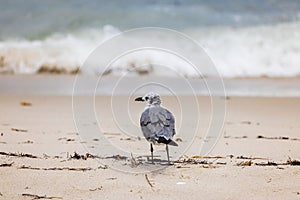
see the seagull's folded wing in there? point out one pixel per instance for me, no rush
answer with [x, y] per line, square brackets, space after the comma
[157, 122]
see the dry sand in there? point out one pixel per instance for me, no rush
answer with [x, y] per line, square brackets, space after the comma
[38, 139]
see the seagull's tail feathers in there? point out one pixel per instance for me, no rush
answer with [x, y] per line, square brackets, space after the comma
[166, 141]
[173, 143]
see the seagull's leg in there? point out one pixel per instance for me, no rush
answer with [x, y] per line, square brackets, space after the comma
[167, 149]
[151, 149]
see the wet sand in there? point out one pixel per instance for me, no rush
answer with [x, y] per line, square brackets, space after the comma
[255, 157]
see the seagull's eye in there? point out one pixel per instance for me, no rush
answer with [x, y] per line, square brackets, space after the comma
[146, 98]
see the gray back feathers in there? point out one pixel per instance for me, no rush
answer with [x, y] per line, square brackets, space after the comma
[157, 122]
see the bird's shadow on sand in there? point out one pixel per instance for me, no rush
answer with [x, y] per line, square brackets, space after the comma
[157, 161]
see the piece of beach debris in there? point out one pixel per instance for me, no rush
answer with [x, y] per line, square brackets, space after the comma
[19, 130]
[67, 139]
[34, 196]
[288, 162]
[250, 158]
[148, 181]
[57, 157]
[179, 167]
[53, 69]
[293, 162]
[275, 138]
[178, 140]
[279, 167]
[103, 167]
[126, 138]
[236, 137]
[57, 168]
[26, 142]
[245, 163]
[18, 155]
[113, 178]
[208, 157]
[98, 188]
[246, 122]
[1, 194]
[2, 134]
[24, 103]
[267, 164]
[6, 164]
[133, 162]
[191, 161]
[77, 156]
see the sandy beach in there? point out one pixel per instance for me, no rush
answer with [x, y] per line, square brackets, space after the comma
[256, 157]
[229, 71]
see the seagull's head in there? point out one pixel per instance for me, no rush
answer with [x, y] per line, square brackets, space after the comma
[151, 98]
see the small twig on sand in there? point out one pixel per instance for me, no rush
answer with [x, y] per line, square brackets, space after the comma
[34, 196]
[267, 164]
[19, 130]
[276, 138]
[6, 164]
[99, 188]
[18, 155]
[208, 157]
[250, 158]
[148, 181]
[133, 162]
[245, 163]
[58, 168]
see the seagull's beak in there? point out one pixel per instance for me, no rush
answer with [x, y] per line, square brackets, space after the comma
[139, 99]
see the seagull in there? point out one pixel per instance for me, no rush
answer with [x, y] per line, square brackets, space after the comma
[157, 123]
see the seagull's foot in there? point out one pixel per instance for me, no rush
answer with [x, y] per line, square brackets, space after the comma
[170, 163]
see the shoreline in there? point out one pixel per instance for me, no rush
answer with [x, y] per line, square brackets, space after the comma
[62, 85]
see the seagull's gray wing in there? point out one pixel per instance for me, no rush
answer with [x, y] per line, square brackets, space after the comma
[157, 122]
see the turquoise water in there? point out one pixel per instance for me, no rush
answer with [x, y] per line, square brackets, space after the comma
[36, 19]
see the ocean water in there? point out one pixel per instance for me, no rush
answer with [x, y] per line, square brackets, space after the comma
[243, 38]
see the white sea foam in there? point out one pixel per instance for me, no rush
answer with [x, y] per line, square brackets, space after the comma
[272, 50]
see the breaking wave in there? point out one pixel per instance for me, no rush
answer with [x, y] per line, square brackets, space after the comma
[255, 51]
